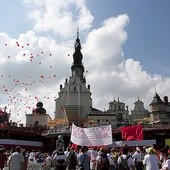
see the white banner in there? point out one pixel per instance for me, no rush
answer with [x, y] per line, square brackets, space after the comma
[95, 136]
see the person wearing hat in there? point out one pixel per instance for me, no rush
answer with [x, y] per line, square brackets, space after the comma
[151, 161]
[166, 160]
[15, 159]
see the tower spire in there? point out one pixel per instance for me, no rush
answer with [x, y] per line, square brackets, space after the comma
[77, 56]
[77, 67]
[155, 88]
[77, 32]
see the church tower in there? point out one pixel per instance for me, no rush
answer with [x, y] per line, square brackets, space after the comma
[158, 110]
[74, 101]
[77, 67]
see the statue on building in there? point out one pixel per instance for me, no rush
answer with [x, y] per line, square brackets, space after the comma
[39, 109]
[60, 143]
[77, 45]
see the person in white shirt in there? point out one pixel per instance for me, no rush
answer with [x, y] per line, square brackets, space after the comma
[67, 151]
[15, 159]
[166, 160]
[92, 152]
[49, 158]
[31, 164]
[32, 154]
[151, 161]
[111, 160]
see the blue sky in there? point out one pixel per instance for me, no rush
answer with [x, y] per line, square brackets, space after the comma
[125, 42]
[148, 30]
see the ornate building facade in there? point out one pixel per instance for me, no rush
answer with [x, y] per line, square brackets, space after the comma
[160, 110]
[139, 111]
[117, 115]
[74, 101]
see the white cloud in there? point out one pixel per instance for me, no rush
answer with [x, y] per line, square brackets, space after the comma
[103, 45]
[60, 16]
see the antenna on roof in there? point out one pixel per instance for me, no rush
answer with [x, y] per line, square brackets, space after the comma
[77, 32]
[155, 88]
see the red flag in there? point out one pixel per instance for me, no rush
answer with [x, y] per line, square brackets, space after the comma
[132, 132]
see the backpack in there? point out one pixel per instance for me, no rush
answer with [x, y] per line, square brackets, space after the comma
[104, 163]
[124, 163]
[71, 159]
[60, 160]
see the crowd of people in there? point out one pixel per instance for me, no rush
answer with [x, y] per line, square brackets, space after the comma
[87, 158]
